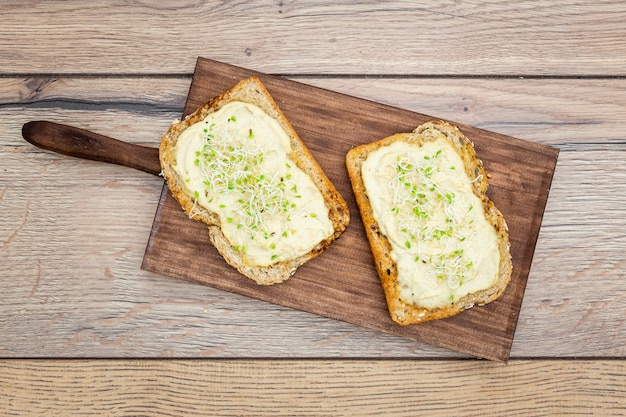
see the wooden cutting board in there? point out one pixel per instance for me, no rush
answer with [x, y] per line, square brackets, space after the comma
[342, 283]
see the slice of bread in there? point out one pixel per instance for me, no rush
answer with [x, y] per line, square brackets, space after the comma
[252, 91]
[435, 273]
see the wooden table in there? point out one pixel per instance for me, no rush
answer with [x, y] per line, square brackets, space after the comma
[85, 330]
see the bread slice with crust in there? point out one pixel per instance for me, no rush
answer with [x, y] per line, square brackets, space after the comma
[424, 244]
[253, 92]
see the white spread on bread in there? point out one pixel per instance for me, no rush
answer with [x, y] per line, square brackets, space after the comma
[236, 163]
[423, 201]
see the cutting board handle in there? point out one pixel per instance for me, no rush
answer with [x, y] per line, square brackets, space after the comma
[80, 143]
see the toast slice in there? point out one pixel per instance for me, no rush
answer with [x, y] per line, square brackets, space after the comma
[439, 244]
[237, 165]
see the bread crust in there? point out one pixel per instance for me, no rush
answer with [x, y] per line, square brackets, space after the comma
[400, 311]
[252, 91]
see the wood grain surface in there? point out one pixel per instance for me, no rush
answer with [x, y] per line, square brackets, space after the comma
[73, 232]
[342, 283]
[487, 38]
[313, 388]
[81, 281]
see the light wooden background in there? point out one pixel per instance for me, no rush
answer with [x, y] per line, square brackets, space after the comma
[73, 232]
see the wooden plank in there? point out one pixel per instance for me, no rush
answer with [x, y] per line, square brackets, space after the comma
[563, 113]
[81, 279]
[538, 37]
[313, 387]
[342, 283]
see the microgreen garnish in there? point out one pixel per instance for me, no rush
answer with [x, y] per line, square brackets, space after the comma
[428, 211]
[254, 195]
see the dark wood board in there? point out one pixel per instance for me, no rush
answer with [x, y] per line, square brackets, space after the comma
[342, 283]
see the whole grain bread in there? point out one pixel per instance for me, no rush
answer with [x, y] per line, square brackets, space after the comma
[402, 312]
[251, 90]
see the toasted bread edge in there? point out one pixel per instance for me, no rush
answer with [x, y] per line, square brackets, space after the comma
[400, 311]
[251, 90]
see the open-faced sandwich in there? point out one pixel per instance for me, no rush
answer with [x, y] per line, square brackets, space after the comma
[439, 244]
[237, 165]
